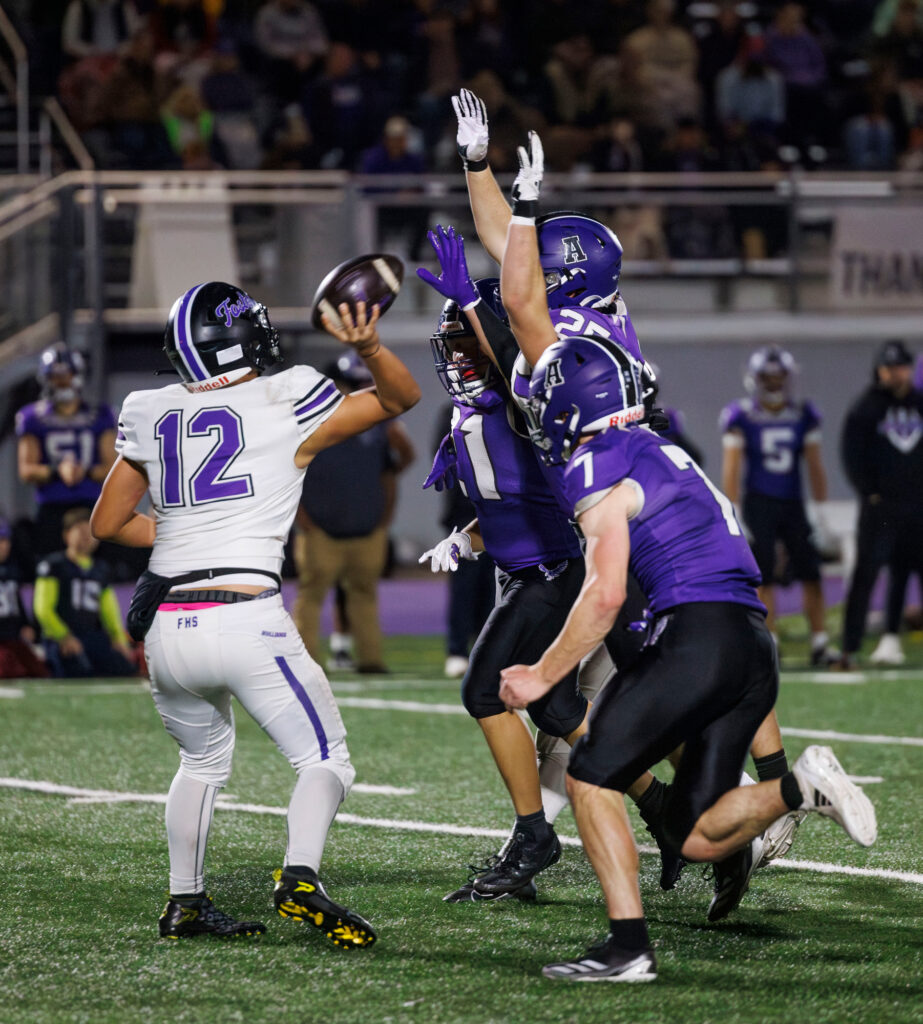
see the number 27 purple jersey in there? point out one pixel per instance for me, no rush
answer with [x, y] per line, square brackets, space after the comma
[686, 543]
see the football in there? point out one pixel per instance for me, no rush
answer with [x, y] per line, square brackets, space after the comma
[375, 279]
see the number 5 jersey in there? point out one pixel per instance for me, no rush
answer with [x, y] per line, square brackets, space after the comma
[223, 464]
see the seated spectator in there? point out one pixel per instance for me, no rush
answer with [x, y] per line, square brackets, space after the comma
[77, 608]
[230, 95]
[290, 144]
[394, 155]
[291, 39]
[719, 45]
[17, 659]
[98, 28]
[190, 128]
[869, 138]
[793, 50]
[751, 93]
[342, 108]
[668, 58]
[130, 133]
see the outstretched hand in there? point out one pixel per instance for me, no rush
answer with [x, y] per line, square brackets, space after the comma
[454, 282]
[472, 137]
[528, 182]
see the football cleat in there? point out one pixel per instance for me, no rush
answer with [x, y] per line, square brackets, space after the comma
[519, 862]
[825, 656]
[826, 789]
[302, 897]
[465, 894]
[779, 836]
[183, 919]
[888, 651]
[732, 879]
[606, 962]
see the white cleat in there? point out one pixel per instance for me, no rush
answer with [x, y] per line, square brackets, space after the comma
[888, 651]
[779, 836]
[827, 790]
[455, 666]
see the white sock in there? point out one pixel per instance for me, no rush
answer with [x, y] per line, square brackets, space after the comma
[340, 643]
[553, 803]
[190, 807]
[819, 640]
[315, 801]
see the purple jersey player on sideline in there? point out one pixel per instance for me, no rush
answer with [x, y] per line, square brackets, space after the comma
[709, 676]
[771, 434]
[539, 575]
[66, 446]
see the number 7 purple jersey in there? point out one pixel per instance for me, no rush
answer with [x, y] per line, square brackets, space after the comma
[686, 543]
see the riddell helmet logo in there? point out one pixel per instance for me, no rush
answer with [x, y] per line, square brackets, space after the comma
[208, 385]
[573, 250]
[626, 416]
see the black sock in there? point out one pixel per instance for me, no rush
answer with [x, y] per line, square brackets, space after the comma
[535, 825]
[187, 897]
[629, 933]
[650, 802]
[772, 766]
[791, 791]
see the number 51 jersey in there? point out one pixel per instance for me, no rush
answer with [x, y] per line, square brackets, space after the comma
[221, 466]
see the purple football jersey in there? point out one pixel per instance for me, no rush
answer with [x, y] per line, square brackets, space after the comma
[579, 321]
[686, 543]
[521, 522]
[773, 443]
[57, 435]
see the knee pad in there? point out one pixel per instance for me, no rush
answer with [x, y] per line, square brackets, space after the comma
[213, 765]
[337, 763]
[548, 718]
[478, 702]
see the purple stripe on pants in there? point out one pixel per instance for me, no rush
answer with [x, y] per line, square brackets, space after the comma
[305, 702]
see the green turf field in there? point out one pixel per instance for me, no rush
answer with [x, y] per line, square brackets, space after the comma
[84, 875]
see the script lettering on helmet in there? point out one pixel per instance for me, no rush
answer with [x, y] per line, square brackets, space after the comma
[573, 250]
[231, 309]
[553, 375]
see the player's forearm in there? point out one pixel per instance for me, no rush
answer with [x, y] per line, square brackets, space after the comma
[396, 388]
[522, 286]
[589, 621]
[490, 210]
[817, 477]
[139, 532]
[36, 472]
[44, 608]
[111, 617]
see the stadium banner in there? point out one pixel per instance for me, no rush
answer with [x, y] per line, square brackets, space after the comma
[878, 257]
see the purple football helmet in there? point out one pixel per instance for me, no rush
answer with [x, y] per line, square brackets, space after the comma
[61, 373]
[463, 370]
[770, 376]
[581, 259]
[581, 386]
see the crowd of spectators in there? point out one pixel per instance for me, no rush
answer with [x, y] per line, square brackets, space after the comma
[612, 85]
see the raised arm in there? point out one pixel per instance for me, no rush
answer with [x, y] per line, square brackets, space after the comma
[490, 209]
[522, 283]
[395, 390]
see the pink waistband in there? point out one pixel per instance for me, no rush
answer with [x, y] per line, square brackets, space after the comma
[188, 606]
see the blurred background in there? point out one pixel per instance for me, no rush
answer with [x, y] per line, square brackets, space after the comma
[759, 161]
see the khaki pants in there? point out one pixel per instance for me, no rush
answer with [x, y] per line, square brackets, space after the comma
[357, 564]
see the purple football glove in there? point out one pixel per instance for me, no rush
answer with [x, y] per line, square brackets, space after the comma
[454, 282]
[444, 473]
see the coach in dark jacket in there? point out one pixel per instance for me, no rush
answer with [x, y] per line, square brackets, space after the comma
[882, 452]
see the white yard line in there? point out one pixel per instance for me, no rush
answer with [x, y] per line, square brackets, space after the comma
[107, 796]
[852, 737]
[11, 692]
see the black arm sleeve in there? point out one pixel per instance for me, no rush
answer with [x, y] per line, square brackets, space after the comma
[500, 338]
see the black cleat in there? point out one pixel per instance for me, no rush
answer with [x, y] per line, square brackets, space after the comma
[732, 879]
[671, 864]
[465, 894]
[302, 897]
[519, 862]
[606, 962]
[182, 920]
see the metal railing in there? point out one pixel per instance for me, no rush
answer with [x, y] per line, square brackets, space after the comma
[20, 88]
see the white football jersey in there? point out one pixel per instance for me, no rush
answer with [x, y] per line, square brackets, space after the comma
[221, 466]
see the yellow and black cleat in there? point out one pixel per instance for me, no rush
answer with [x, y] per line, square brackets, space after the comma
[300, 896]
[182, 919]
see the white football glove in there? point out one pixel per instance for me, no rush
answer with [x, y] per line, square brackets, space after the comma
[528, 182]
[823, 535]
[446, 554]
[472, 137]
